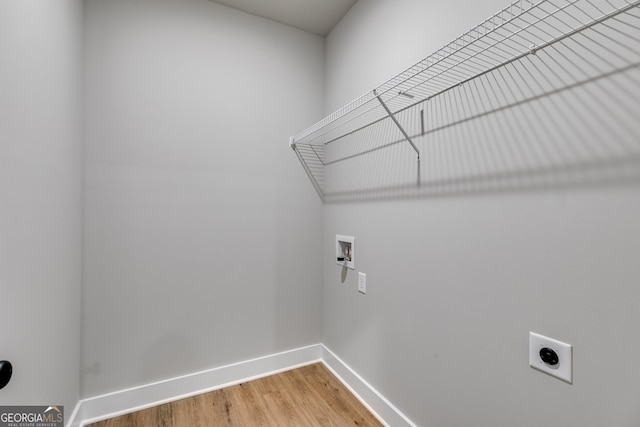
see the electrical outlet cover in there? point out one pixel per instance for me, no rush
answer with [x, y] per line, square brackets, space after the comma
[362, 283]
[563, 369]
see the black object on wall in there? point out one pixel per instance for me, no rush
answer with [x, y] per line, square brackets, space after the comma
[5, 373]
[549, 356]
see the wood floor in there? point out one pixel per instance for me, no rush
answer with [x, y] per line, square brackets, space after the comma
[309, 396]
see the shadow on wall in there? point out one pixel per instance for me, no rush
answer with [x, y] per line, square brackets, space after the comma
[566, 116]
[586, 134]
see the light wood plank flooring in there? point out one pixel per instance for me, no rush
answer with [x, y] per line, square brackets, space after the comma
[308, 396]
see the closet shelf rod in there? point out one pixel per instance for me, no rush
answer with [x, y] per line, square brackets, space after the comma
[518, 4]
[531, 51]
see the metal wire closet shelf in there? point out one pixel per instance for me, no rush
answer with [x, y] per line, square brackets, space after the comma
[573, 42]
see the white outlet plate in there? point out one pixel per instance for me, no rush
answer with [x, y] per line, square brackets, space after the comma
[564, 369]
[362, 283]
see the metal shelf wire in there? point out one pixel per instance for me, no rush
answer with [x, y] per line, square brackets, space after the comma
[525, 52]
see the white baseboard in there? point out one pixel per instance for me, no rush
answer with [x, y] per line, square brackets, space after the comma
[137, 398]
[373, 400]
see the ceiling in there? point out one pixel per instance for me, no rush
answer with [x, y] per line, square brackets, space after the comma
[315, 16]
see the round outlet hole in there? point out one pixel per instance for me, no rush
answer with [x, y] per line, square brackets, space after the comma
[549, 356]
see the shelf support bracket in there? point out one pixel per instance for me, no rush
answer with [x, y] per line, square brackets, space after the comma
[406, 135]
[314, 181]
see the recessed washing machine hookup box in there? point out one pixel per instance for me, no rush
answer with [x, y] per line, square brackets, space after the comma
[345, 251]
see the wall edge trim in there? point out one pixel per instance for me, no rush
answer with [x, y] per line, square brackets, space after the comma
[386, 412]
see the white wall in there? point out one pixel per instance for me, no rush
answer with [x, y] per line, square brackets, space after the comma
[40, 200]
[202, 238]
[456, 280]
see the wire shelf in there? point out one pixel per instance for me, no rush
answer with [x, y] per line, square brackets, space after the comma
[525, 52]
